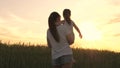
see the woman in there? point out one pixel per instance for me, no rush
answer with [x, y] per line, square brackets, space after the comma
[69, 23]
[59, 40]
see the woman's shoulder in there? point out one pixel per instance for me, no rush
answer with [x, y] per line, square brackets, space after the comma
[60, 27]
[48, 31]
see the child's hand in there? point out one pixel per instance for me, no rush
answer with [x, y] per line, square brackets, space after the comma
[62, 22]
[80, 35]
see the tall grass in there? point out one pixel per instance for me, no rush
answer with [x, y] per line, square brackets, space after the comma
[23, 56]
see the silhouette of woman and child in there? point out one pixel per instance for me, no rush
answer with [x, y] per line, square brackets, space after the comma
[59, 38]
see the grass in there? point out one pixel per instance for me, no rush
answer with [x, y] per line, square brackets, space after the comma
[24, 56]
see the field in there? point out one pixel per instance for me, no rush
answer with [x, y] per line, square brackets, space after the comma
[25, 56]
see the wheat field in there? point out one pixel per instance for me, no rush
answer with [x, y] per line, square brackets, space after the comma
[25, 56]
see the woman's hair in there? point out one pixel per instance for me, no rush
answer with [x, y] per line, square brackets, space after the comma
[52, 25]
[66, 15]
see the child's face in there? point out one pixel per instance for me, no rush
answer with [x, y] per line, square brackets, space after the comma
[67, 15]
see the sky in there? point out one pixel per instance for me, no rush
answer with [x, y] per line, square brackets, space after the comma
[27, 21]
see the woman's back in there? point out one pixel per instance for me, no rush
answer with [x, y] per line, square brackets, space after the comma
[62, 47]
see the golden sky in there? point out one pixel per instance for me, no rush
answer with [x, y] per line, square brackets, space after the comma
[27, 21]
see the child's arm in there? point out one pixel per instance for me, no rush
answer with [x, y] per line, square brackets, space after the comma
[75, 26]
[63, 21]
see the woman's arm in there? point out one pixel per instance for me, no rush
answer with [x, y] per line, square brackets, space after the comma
[49, 44]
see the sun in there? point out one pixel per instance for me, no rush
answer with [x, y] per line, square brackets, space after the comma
[90, 31]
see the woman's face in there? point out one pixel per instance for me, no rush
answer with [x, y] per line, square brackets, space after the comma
[58, 21]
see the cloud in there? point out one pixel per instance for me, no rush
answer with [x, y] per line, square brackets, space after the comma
[25, 25]
[4, 32]
[115, 20]
[1, 20]
[13, 26]
[114, 2]
[117, 34]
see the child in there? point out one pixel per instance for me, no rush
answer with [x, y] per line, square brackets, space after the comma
[68, 22]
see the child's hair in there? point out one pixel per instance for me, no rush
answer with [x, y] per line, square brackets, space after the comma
[66, 15]
[52, 25]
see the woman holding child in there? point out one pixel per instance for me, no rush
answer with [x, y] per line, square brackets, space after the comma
[59, 39]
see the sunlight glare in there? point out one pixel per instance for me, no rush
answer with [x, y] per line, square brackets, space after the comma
[90, 31]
